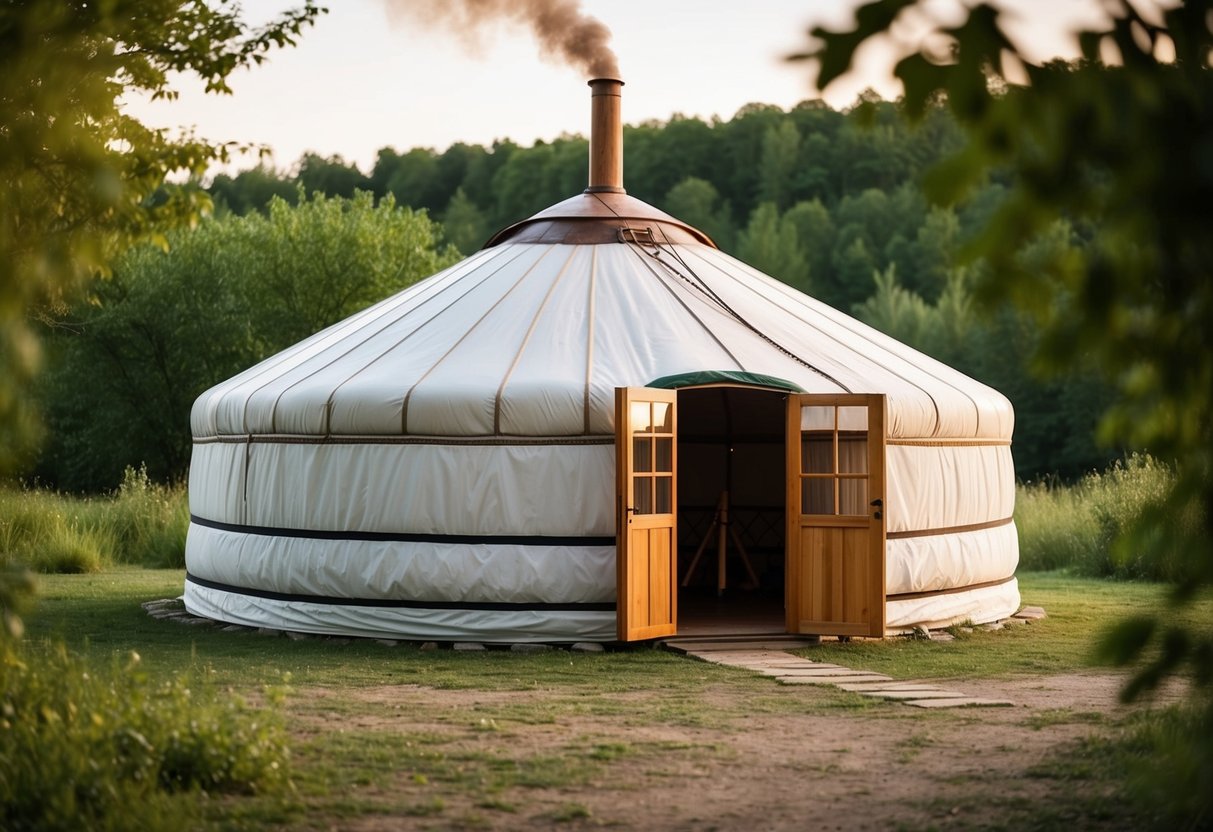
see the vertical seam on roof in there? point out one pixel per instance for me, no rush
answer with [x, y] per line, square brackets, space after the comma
[270, 364]
[589, 338]
[404, 405]
[328, 403]
[332, 396]
[682, 303]
[526, 339]
[788, 292]
[354, 327]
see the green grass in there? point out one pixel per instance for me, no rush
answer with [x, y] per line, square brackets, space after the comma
[467, 755]
[1079, 611]
[140, 523]
[1075, 526]
[101, 613]
[463, 766]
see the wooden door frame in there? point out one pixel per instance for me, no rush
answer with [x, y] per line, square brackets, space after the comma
[877, 410]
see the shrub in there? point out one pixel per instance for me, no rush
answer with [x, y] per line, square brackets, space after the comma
[148, 520]
[1082, 526]
[1056, 528]
[83, 747]
[68, 548]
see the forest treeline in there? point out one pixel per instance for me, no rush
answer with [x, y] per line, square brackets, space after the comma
[828, 201]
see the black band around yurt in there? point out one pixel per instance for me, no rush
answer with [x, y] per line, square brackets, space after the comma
[408, 537]
[396, 603]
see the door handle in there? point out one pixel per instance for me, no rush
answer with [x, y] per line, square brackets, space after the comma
[876, 503]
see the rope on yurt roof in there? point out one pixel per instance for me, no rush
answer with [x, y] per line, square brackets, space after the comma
[699, 284]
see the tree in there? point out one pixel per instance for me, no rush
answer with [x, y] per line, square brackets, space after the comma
[76, 171]
[1121, 150]
[464, 224]
[815, 231]
[696, 202]
[769, 244]
[251, 190]
[740, 156]
[330, 176]
[854, 268]
[780, 155]
[128, 361]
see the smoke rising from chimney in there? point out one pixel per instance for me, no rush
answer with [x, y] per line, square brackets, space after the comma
[563, 30]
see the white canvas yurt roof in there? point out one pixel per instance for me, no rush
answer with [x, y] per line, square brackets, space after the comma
[441, 464]
[529, 338]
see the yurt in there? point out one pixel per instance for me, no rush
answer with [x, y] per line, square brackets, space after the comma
[600, 427]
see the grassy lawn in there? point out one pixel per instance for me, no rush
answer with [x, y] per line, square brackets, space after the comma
[100, 613]
[496, 740]
[1079, 611]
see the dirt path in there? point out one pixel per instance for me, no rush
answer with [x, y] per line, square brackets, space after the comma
[476, 760]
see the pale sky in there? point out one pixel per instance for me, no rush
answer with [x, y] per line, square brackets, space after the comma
[362, 79]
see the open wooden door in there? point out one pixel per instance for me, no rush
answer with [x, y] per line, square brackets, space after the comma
[646, 500]
[835, 509]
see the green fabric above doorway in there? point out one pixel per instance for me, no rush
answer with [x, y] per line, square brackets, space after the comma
[700, 378]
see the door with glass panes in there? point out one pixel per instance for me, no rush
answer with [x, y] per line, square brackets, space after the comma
[835, 515]
[646, 518]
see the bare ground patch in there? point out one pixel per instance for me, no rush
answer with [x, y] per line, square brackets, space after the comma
[460, 759]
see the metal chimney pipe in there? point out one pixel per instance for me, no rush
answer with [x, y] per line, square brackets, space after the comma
[606, 137]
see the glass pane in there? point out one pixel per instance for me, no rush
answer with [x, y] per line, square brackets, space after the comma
[642, 421]
[817, 453]
[642, 453]
[663, 417]
[853, 496]
[665, 455]
[854, 417]
[817, 496]
[852, 453]
[642, 495]
[817, 417]
[664, 491]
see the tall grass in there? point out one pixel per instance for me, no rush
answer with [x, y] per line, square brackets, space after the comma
[1076, 526]
[141, 523]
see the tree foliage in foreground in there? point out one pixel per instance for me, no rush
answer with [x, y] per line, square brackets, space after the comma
[128, 359]
[1121, 149]
[76, 171]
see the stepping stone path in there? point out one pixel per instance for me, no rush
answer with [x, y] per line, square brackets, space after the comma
[792, 670]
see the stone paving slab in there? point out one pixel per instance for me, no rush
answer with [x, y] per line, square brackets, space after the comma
[735, 661]
[752, 655]
[917, 694]
[817, 671]
[794, 670]
[774, 645]
[751, 660]
[962, 702]
[776, 663]
[827, 680]
[865, 687]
